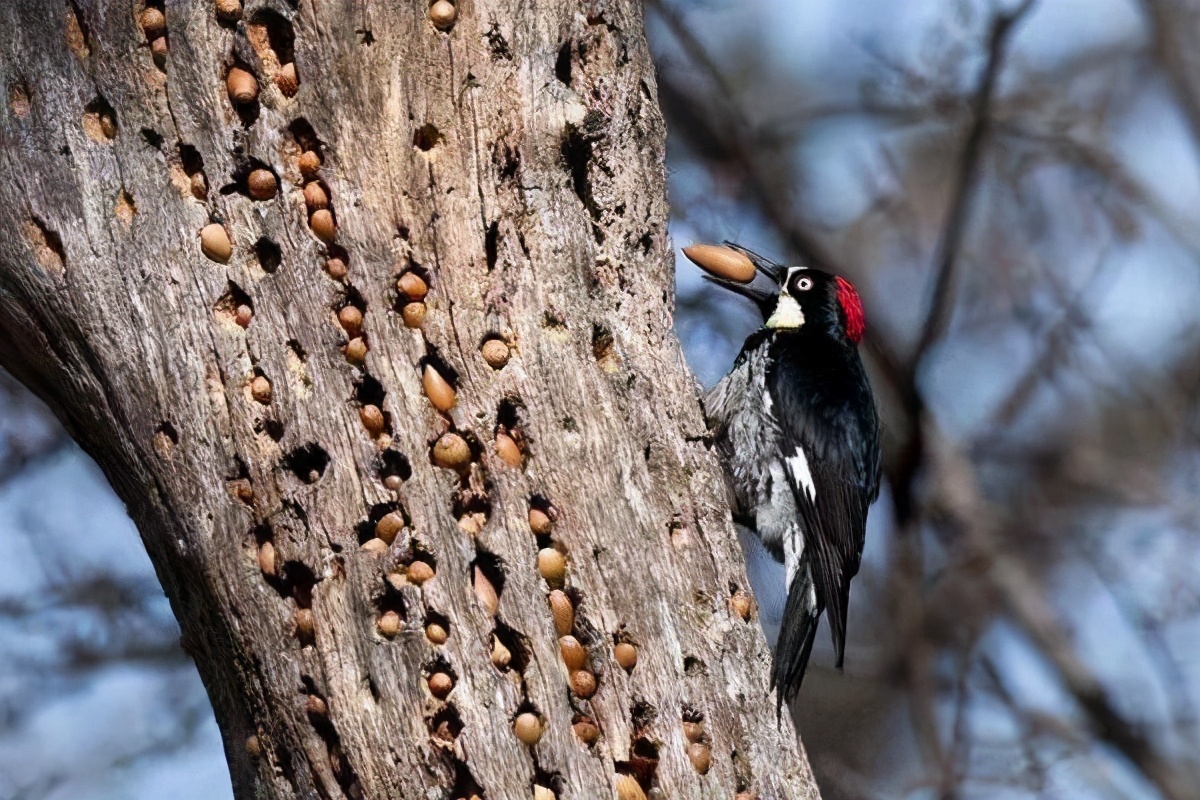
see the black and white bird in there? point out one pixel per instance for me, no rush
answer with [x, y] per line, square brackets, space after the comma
[795, 424]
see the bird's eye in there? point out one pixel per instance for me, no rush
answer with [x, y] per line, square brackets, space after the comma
[804, 284]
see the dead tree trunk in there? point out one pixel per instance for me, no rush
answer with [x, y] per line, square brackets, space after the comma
[285, 416]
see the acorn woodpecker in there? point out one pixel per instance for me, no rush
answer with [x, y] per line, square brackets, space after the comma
[795, 424]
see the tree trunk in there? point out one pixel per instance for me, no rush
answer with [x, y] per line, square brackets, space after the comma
[514, 163]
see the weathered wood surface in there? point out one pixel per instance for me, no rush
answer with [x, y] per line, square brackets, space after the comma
[516, 163]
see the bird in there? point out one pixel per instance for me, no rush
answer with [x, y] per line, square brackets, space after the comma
[796, 428]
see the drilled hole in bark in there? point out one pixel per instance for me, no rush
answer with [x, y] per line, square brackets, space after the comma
[100, 120]
[241, 179]
[369, 391]
[271, 427]
[248, 110]
[642, 763]
[367, 529]
[577, 154]
[307, 462]
[165, 438]
[152, 138]
[268, 30]
[562, 64]
[427, 137]
[305, 136]
[234, 307]
[491, 244]
[487, 576]
[465, 786]
[445, 725]
[548, 780]
[239, 483]
[47, 246]
[693, 667]
[517, 647]
[343, 772]
[79, 36]
[437, 627]
[268, 254]
[393, 464]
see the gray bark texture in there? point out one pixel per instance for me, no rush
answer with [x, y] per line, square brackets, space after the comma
[269, 445]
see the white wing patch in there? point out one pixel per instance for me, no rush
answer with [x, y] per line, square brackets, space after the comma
[798, 467]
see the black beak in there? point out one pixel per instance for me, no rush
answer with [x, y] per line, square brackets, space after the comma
[763, 293]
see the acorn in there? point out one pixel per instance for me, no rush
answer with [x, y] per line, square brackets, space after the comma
[552, 564]
[701, 757]
[372, 419]
[508, 451]
[744, 796]
[309, 163]
[260, 389]
[451, 452]
[305, 624]
[241, 85]
[336, 268]
[261, 184]
[419, 572]
[440, 685]
[287, 81]
[315, 706]
[412, 286]
[528, 727]
[356, 350]
[741, 604]
[214, 242]
[587, 731]
[243, 315]
[626, 655]
[723, 262]
[254, 748]
[389, 624]
[108, 126]
[158, 51]
[440, 393]
[199, 186]
[315, 196]
[472, 523]
[501, 655]
[229, 10]
[539, 522]
[542, 793]
[442, 14]
[390, 525]
[693, 730]
[153, 22]
[495, 352]
[573, 653]
[413, 314]
[266, 558]
[563, 611]
[583, 683]
[375, 547]
[393, 482]
[322, 225]
[628, 788]
[436, 633]
[485, 592]
[351, 319]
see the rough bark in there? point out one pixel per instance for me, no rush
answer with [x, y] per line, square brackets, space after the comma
[515, 163]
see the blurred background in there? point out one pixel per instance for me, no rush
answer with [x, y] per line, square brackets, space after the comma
[1014, 187]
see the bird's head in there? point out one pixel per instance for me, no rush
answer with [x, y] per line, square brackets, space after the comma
[791, 299]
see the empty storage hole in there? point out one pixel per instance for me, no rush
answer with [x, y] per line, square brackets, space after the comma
[272, 37]
[307, 462]
[100, 120]
[427, 137]
[446, 724]
[268, 254]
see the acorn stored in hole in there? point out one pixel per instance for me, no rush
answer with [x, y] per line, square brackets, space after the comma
[583, 683]
[322, 225]
[440, 393]
[628, 788]
[243, 315]
[485, 591]
[372, 419]
[393, 482]
[309, 163]
[701, 757]
[542, 793]
[436, 633]
[254, 747]
[508, 451]
[741, 604]
[501, 655]
[351, 319]
[375, 546]
[241, 85]
[693, 730]
[419, 572]
[315, 196]
[413, 314]
[287, 81]
[153, 23]
[573, 653]
[305, 624]
[389, 623]
[440, 685]
[528, 727]
[495, 352]
[199, 186]
[552, 565]
[389, 525]
[336, 268]
[442, 14]
[214, 242]
[159, 49]
[563, 611]
[451, 451]
[587, 731]
[260, 389]
[539, 522]
[723, 262]
[626, 655]
[412, 286]
[315, 706]
[266, 558]
[108, 126]
[229, 10]
[356, 350]
[261, 184]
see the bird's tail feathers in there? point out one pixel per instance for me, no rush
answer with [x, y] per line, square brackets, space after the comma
[800, 618]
